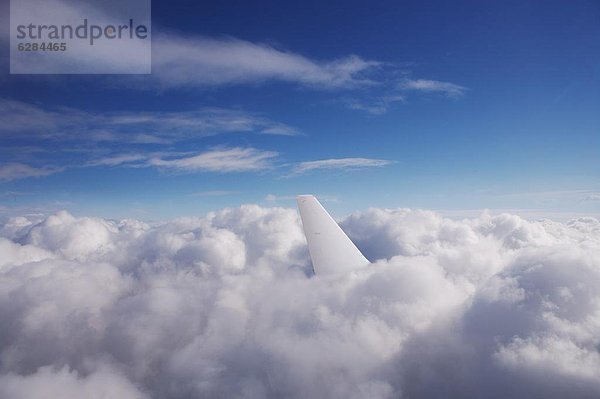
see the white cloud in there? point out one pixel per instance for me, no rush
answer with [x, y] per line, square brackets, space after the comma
[183, 61]
[340, 163]
[73, 237]
[131, 127]
[214, 193]
[592, 197]
[91, 139]
[222, 160]
[47, 382]
[16, 254]
[280, 130]
[117, 160]
[16, 170]
[551, 355]
[377, 106]
[17, 116]
[225, 306]
[433, 86]
[202, 61]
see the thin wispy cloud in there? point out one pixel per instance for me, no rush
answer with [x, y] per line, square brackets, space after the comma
[275, 198]
[380, 98]
[214, 193]
[16, 170]
[200, 62]
[377, 106]
[118, 160]
[221, 160]
[592, 197]
[433, 86]
[114, 139]
[203, 61]
[552, 196]
[205, 122]
[279, 129]
[18, 118]
[184, 61]
[340, 164]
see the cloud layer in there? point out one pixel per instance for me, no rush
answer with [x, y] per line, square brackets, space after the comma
[225, 306]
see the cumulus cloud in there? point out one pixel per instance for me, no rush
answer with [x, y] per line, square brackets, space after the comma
[225, 305]
[67, 384]
[340, 163]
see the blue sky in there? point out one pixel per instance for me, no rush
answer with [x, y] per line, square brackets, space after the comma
[453, 106]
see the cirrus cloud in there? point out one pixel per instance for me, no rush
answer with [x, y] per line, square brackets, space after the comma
[16, 170]
[340, 164]
[222, 160]
[204, 61]
[433, 86]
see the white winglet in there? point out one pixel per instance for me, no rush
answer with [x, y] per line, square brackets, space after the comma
[330, 248]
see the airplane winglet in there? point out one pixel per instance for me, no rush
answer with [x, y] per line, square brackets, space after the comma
[331, 251]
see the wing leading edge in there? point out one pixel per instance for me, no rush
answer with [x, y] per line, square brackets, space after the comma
[330, 248]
